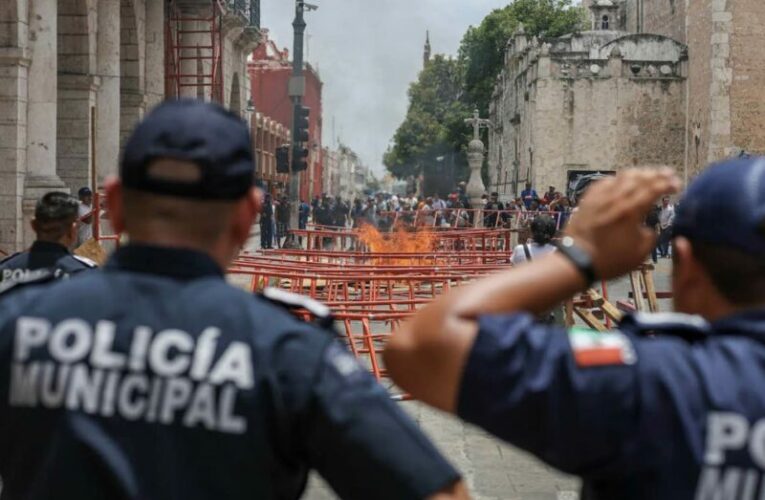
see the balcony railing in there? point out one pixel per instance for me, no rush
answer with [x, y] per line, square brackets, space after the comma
[249, 10]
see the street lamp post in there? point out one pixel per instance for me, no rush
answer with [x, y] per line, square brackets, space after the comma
[297, 91]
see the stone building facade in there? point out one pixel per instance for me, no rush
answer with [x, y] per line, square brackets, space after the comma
[676, 82]
[268, 134]
[76, 75]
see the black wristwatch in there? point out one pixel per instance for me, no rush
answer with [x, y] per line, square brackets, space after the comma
[576, 254]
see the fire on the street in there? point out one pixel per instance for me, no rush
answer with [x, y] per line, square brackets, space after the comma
[398, 241]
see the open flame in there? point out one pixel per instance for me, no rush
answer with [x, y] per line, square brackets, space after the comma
[398, 241]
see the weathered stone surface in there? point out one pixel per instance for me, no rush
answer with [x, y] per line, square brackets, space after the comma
[556, 115]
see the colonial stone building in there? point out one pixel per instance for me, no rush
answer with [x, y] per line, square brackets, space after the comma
[76, 75]
[675, 82]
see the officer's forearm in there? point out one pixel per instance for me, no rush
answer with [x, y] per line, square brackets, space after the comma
[535, 287]
[426, 356]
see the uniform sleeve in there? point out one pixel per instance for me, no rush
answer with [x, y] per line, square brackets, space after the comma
[523, 383]
[361, 441]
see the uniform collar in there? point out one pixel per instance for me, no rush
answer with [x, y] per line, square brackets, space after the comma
[750, 322]
[178, 263]
[48, 247]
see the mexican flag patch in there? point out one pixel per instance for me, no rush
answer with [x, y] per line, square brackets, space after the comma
[592, 348]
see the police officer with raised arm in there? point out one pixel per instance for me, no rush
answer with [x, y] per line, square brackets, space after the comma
[154, 379]
[55, 227]
[666, 406]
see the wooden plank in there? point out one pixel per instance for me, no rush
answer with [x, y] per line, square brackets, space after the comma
[608, 308]
[637, 290]
[590, 319]
[650, 290]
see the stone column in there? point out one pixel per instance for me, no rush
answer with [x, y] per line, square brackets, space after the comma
[108, 96]
[41, 109]
[14, 67]
[475, 187]
[155, 53]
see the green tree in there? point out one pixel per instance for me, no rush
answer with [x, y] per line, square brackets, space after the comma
[482, 50]
[435, 107]
[448, 90]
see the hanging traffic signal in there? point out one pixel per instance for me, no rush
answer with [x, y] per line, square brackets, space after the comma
[302, 124]
[299, 159]
[283, 160]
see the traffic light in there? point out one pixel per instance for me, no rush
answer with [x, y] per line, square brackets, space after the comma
[302, 124]
[299, 159]
[283, 160]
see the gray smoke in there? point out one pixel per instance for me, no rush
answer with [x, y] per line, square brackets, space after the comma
[367, 53]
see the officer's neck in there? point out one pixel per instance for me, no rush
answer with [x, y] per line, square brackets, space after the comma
[220, 251]
[63, 242]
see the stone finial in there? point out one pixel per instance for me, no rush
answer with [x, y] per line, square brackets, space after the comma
[545, 49]
[520, 30]
[616, 52]
[476, 146]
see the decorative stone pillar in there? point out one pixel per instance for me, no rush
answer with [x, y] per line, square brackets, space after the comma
[475, 187]
[476, 151]
[107, 138]
[41, 110]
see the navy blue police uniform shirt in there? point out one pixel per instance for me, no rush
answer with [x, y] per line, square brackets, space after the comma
[154, 379]
[667, 407]
[42, 255]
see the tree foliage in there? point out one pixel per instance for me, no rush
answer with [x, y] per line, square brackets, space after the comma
[448, 90]
[435, 108]
[482, 50]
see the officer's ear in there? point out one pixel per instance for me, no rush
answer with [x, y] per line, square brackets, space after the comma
[114, 203]
[247, 210]
[691, 284]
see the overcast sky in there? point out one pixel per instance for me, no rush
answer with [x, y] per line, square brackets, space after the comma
[368, 52]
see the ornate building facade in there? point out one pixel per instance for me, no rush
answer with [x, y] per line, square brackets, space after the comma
[670, 82]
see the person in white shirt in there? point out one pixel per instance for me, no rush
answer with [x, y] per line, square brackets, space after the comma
[543, 230]
[666, 218]
[85, 215]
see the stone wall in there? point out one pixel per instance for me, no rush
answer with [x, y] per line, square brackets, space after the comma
[660, 17]
[556, 112]
[747, 61]
[606, 124]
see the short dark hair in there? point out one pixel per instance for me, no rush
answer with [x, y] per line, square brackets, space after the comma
[54, 214]
[543, 229]
[737, 275]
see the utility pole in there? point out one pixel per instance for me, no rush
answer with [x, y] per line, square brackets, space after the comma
[297, 91]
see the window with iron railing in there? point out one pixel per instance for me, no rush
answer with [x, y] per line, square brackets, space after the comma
[247, 9]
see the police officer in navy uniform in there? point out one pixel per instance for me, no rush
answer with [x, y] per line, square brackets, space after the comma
[55, 227]
[155, 379]
[666, 406]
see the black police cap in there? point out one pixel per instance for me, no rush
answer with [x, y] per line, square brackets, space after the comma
[214, 140]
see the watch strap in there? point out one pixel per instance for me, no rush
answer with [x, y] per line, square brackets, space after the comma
[579, 257]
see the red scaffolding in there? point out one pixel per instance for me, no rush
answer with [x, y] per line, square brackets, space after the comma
[194, 49]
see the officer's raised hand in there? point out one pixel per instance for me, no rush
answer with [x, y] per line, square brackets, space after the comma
[609, 221]
[605, 239]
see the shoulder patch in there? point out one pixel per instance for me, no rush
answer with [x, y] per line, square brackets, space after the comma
[38, 276]
[85, 260]
[592, 348]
